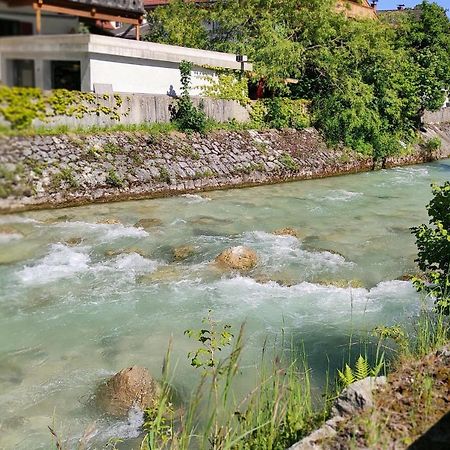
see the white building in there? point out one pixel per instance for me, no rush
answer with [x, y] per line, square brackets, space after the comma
[90, 62]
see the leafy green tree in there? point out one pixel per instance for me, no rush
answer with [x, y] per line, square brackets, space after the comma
[425, 34]
[433, 243]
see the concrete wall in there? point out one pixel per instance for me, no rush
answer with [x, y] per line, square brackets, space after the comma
[441, 116]
[143, 108]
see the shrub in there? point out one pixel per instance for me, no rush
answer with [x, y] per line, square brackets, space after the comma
[433, 243]
[227, 87]
[20, 106]
[433, 144]
[188, 117]
[113, 179]
[286, 113]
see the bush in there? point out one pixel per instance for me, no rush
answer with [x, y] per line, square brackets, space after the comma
[433, 243]
[433, 144]
[20, 106]
[186, 116]
[286, 113]
[279, 113]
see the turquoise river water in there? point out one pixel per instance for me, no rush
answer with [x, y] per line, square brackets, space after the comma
[71, 315]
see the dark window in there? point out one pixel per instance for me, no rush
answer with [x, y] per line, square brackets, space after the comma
[66, 75]
[23, 72]
[15, 28]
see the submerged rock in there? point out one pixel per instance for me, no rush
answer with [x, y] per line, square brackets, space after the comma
[125, 251]
[355, 284]
[131, 387]
[73, 242]
[287, 232]
[162, 274]
[148, 223]
[238, 258]
[8, 230]
[109, 221]
[209, 220]
[183, 252]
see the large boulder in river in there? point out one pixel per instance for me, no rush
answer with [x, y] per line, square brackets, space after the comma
[131, 387]
[238, 258]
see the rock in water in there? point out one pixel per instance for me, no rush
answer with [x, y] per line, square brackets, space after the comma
[238, 258]
[131, 387]
[287, 232]
[109, 221]
[183, 252]
[148, 223]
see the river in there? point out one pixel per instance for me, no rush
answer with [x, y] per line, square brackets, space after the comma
[71, 315]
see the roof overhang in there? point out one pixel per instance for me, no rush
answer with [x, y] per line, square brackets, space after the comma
[131, 12]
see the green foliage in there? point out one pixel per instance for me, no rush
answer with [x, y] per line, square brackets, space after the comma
[64, 175]
[113, 179]
[361, 370]
[227, 87]
[213, 339]
[20, 106]
[288, 162]
[433, 144]
[164, 175]
[286, 113]
[368, 81]
[433, 244]
[188, 117]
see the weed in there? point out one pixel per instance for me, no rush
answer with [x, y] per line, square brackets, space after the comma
[288, 162]
[113, 179]
[164, 175]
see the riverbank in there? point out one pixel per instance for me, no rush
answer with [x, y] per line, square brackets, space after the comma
[40, 172]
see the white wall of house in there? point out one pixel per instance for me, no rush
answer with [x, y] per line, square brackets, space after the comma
[129, 66]
[146, 77]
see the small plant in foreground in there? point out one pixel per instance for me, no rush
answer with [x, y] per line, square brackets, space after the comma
[187, 116]
[433, 243]
[361, 370]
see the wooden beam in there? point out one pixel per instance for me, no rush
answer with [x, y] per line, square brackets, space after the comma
[138, 32]
[92, 14]
[37, 6]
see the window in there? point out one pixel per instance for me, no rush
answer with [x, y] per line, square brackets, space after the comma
[15, 28]
[23, 72]
[66, 75]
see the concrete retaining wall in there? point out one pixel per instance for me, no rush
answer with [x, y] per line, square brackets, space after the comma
[142, 108]
[441, 116]
[55, 171]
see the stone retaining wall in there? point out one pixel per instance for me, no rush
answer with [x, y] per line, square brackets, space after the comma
[56, 171]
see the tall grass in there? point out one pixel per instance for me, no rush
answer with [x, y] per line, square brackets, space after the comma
[282, 407]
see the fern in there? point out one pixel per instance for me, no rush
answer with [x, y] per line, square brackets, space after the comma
[362, 369]
[346, 376]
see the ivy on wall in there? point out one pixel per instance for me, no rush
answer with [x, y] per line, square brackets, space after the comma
[20, 106]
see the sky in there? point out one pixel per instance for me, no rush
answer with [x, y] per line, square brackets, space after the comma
[392, 4]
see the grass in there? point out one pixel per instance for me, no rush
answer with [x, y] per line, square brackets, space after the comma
[282, 407]
[148, 127]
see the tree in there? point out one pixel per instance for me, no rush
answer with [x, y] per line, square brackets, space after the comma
[425, 34]
[433, 243]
